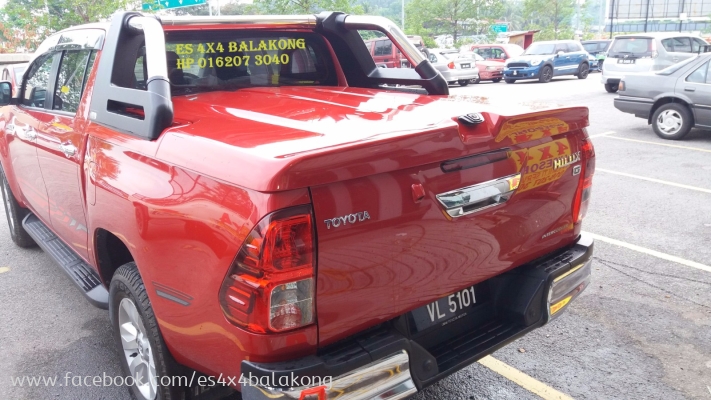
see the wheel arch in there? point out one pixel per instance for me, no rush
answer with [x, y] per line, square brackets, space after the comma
[111, 253]
[670, 99]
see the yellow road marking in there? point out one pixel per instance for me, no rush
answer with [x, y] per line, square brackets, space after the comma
[4, 269]
[660, 144]
[644, 178]
[654, 253]
[602, 134]
[523, 380]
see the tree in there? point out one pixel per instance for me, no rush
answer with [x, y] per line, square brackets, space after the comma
[453, 17]
[306, 6]
[552, 17]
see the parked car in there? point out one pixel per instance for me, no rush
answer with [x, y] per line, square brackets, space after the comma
[598, 49]
[454, 70]
[544, 60]
[290, 222]
[489, 70]
[13, 74]
[385, 54]
[497, 52]
[644, 52]
[672, 100]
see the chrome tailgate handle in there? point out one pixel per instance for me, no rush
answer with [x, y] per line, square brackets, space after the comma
[478, 197]
[68, 149]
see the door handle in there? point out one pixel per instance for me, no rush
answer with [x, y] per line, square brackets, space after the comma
[689, 89]
[30, 134]
[478, 197]
[68, 149]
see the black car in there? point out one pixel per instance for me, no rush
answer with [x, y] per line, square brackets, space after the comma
[598, 49]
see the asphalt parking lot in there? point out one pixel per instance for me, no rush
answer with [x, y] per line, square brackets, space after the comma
[641, 330]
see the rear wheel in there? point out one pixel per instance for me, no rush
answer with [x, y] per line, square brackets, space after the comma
[611, 87]
[546, 74]
[583, 71]
[496, 80]
[144, 356]
[510, 80]
[15, 214]
[463, 82]
[672, 121]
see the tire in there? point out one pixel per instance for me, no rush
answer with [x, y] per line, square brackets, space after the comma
[496, 80]
[476, 81]
[132, 316]
[611, 87]
[15, 214]
[546, 74]
[672, 121]
[510, 80]
[463, 82]
[583, 71]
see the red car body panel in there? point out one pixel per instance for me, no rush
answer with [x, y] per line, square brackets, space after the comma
[485, 74]
[183, 204]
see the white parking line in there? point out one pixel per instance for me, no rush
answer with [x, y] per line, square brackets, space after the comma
[644, 178]
[525, 381]
[655, 143]
[654, 253]
[601, 134]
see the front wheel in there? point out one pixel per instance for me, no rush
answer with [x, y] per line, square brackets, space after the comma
[672, 121]
[611, 87]
[145, 360]
[496, 80]
[583, 71]
[15, 214]
[510, 80]
[463, 82]
[546, 74]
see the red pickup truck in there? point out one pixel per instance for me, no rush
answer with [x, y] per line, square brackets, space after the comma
[249, 201]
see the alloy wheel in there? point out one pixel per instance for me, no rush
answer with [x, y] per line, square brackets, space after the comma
[137, 349]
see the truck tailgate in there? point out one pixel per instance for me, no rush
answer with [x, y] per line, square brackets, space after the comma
[387, 244]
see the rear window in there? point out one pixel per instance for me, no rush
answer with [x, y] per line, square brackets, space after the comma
[201, 61]
[632, 46]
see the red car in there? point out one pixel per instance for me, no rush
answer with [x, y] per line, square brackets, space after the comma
[489, 70]
[258, 213]
[497, 52]
[13, 74]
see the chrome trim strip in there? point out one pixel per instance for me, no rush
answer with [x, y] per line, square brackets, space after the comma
[471, 199]
[240, 19]
[385, 379]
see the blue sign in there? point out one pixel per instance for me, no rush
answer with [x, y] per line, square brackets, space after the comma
[163, 4]
[500, 28]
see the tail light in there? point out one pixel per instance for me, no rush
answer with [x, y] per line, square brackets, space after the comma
[582, 194]
[450, 65]
[270, 285]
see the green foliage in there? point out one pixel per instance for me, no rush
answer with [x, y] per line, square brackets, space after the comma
[552, 17]
[306, 6]
[453, 17]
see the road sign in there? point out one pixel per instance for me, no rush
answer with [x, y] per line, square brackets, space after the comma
[153, 5]
[499, 28]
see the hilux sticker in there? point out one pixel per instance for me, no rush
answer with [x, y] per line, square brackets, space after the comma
[525, 131]
[543, 164]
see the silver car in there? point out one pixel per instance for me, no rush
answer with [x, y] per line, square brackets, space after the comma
[644, 52]
[454, 69]
[672, 100]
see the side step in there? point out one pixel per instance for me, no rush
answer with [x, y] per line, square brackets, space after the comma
[80, 272]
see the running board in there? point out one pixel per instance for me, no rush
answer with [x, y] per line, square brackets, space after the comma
[86, 279]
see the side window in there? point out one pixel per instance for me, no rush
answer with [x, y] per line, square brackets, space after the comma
[668, 44]
[497, 53]
[70, 81]
[697, 45]
[699, 76]
[561, 47]
[573, 47]
[5, 75]
[37, 83]
[682, 45]
[383, 48]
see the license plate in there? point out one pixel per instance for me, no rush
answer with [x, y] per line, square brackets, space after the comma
[466, 65]
[445, 310]
[625, 61]
[515, 73]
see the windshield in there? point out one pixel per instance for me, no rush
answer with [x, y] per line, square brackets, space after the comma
[631, 46]
[539, 49]
[201, 61]
[590, 47]
[670, 70]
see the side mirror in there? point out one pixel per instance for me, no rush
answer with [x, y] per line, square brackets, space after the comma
[5, 93]
[559, 53]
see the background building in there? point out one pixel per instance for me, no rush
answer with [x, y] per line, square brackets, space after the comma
[658, 16]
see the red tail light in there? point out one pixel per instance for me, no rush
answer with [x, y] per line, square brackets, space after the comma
[270, 285]
[582, 194]
[451, 65]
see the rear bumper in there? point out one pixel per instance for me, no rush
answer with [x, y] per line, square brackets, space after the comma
[487, 75]
[460, 74]
[639, 106]
[391, 361]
